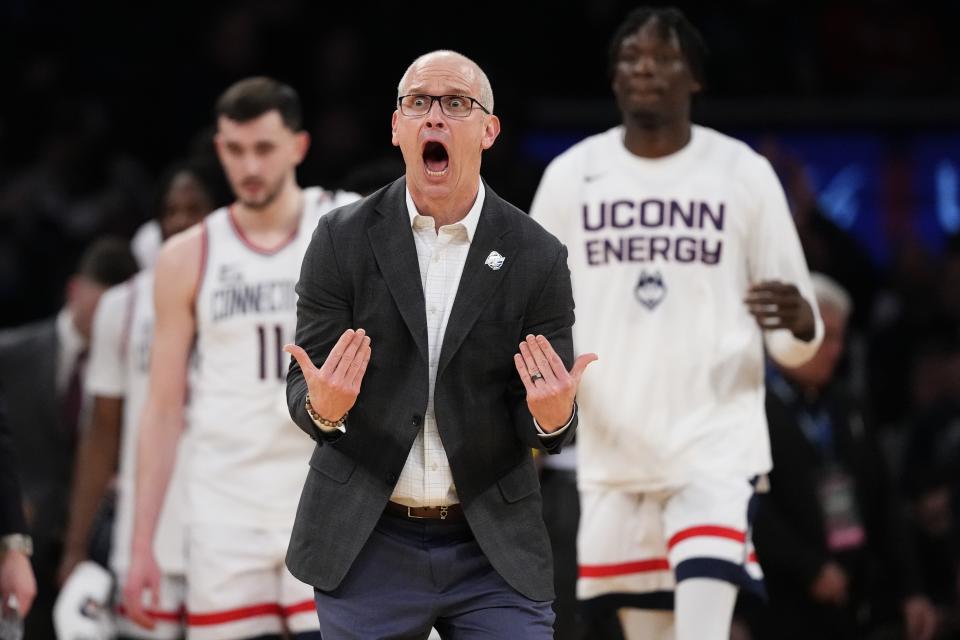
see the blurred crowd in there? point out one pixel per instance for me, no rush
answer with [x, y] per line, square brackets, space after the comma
[94, 114]
[99, 97]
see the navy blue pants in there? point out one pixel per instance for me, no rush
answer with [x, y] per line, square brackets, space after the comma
[416, 574]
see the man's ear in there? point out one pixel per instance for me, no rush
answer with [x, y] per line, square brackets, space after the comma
[303, 145]
[393, 128]
[491, 129]
[218, 146]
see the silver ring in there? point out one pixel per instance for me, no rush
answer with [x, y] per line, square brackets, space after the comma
[536, 375]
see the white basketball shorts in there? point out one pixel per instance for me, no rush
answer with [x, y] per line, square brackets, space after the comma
[170, 615]
[634, 547]
[238, 586]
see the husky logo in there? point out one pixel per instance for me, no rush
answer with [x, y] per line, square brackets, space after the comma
[229, 273]
[494, 261]
[650, 289]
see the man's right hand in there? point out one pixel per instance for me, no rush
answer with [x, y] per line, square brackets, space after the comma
[334, 387]
[143, 576]
[830, 585]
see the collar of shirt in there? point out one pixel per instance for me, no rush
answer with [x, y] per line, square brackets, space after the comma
[469, 222]
[70, 344]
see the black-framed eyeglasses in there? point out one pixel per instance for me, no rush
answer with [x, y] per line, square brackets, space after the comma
[419, 104]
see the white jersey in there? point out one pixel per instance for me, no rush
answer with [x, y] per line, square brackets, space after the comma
[662, 252]
[248, 460]
[119, 368]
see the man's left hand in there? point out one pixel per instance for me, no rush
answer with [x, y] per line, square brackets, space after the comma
[778, 305]
[550, 387]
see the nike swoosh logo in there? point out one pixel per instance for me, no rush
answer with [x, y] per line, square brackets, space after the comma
[593, 177]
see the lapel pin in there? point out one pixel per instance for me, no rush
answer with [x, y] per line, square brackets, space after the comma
[494, 260]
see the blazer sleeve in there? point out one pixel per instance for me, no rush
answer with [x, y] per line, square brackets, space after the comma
[324, 311]
[11, 501]
[550, 314]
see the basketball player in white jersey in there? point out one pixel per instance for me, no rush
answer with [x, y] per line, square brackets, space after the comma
[228, 284]
[685, 264]
[117, 379]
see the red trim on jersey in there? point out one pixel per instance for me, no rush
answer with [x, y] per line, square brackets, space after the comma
[232, 615]
[159, 616]
[252, 611]
[711, 531]
[624, 568]
[250, 245]
[204, 253]
[752, 557]
[300, 607]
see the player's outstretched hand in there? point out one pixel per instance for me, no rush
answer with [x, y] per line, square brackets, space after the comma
[334, 386]
[143, 578]
[778, 305]
[550, 387]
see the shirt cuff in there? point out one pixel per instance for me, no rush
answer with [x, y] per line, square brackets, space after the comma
[543, 434]
[324, 428]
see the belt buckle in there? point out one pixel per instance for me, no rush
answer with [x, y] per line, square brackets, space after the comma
[410, 515]
[443, 513]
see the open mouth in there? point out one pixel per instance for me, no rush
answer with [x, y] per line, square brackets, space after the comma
[435, 159]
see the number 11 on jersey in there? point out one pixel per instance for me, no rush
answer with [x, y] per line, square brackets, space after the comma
[276, 348]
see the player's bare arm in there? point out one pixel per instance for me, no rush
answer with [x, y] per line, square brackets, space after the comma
[551, 389]
[334, 386]
[779, 305]
[177, 273]
[97, 458]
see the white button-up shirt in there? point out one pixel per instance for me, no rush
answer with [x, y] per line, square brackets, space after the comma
[426, 480]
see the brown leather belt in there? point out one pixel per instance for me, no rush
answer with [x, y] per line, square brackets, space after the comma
[453, 513]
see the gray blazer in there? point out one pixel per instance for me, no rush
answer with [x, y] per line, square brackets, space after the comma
[44, 447]
[361, 271]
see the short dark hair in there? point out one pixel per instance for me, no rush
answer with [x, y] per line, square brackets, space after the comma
[251, 98]
[108, 261]
[208, 174]
[670, 20]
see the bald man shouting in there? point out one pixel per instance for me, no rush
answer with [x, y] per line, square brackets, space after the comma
[433, 352]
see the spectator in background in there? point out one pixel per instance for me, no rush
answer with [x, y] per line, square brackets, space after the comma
[931, 477]
[16, 576]
[41, 370]
[899, 348]
[830, 535]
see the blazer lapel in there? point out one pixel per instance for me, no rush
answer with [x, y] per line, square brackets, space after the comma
[393, 247]
[479, 281]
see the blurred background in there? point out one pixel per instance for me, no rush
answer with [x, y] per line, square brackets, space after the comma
[856, 104]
